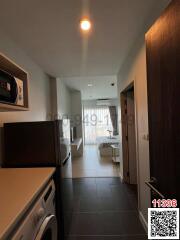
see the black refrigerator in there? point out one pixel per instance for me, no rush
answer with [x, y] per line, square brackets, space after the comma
[44, 144]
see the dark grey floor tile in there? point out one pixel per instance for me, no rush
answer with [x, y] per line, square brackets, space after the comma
[67, 219]
[136, 237]
[89, 204]
[131, 189]
[103, 192]
[107, 208]
[133, 237]
[76, 204]
[84, 181]
[132, 224]
[86, 224]
[120, 223]
[108, 181]
[96, 204]
[95, 238]
[85, 190]
[133, 201]
[118, 190]
[115, 204]
[112, 223]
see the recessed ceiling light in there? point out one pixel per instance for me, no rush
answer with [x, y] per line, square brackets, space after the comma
[85, 24]
[90, 85]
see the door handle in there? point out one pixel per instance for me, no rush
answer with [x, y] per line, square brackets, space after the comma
[149, 184]
[153, 180]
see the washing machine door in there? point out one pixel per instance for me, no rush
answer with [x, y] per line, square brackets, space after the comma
[48, 229]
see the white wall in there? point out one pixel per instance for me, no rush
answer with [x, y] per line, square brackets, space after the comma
[63, 99]
[137, 73]
[38, 85]
[134, 69]
[76, 115]
[76, 111]
[53, 99]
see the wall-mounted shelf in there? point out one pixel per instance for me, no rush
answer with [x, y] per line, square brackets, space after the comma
[14, 70]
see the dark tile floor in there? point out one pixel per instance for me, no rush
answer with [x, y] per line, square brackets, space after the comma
[105, 209]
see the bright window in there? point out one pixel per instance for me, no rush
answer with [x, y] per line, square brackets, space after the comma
[97, 122]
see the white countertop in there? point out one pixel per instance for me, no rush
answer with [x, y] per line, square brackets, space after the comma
[18, 188]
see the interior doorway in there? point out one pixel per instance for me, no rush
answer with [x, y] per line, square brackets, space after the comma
[129, 135]
[100, 156]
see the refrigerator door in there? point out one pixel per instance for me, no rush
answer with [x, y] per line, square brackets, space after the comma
[30, 144]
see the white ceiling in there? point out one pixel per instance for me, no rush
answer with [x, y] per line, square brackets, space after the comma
[48, 31]
[101, 86]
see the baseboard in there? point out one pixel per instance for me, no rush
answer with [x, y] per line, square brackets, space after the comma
[143, 221]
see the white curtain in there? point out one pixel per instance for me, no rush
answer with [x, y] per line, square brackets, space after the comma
[97, 122]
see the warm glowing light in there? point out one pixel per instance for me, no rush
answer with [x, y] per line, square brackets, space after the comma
[85, 25]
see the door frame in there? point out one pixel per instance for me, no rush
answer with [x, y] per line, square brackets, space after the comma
[125, 157]
[124, 143]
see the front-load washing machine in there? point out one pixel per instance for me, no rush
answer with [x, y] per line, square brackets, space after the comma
[40, 222]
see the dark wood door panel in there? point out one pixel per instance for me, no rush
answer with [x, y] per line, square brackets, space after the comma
[163, 76]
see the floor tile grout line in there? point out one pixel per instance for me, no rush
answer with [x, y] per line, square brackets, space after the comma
[95, 183]
[109, 235]
[104, 176]
[94, 212]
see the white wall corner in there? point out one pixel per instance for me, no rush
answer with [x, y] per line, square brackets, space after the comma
[143, 221]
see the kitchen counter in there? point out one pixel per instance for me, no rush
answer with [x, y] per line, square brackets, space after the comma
[19, 187]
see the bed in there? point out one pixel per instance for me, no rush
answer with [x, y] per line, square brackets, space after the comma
[104, 145]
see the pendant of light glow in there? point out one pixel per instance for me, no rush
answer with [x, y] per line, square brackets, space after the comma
[85, 25]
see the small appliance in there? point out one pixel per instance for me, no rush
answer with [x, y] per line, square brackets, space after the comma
[11, 89]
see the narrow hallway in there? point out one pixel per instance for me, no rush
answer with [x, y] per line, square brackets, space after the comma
[105, 209]
[91, 164]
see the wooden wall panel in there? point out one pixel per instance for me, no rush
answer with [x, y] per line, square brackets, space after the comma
[163, 76]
